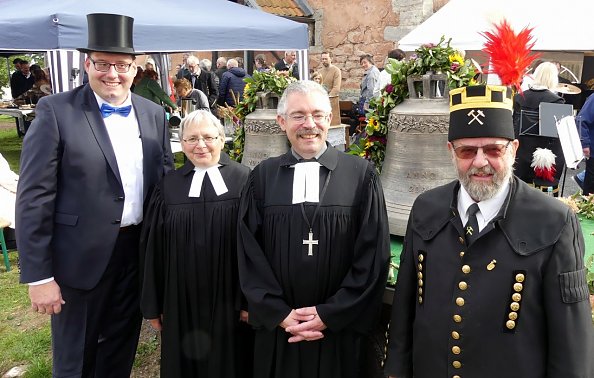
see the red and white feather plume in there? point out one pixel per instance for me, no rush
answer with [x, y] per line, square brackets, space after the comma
[510, 53]
[543, 162]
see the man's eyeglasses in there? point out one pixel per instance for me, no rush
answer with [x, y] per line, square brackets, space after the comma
[300, 118]
[192, 141]
[105, 67]
[495, 150]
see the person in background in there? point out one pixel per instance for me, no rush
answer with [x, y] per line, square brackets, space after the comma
[260, 63]
[526, 116]
[202, 80]
[313, 257]
[586, 117]
[89, 161]
[183, 89]
[370, 76]
[490, 267]
[221, 68]
[239, 60]
[331, 75]
[22, 80]
[150, 65]
[148, 88]
[206, 65]
[183, 70]
[288, 65]
[317, 77]
[232, 84]
[384, 77]
[190, 288]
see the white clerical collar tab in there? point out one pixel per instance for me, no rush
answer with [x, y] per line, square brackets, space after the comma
[216, 180]
[306, 182]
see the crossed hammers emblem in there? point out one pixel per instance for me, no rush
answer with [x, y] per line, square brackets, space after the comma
[475, 116]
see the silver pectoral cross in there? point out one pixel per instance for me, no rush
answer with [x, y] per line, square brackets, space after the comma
[310, 243]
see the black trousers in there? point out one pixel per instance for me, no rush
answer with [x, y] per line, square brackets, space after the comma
[96, 334]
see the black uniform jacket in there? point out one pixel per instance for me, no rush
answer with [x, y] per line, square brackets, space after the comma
[514, 303]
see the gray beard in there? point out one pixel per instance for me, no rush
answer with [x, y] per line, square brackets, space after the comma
[481, 191]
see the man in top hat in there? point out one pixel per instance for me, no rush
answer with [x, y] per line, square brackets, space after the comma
[492, 280]
[88, 162]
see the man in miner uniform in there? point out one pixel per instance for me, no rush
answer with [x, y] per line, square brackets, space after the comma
[492, 280]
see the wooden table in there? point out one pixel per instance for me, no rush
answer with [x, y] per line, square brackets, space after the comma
[20, 115]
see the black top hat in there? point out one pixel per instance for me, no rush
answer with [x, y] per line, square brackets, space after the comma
[481, 111]
[111, 33]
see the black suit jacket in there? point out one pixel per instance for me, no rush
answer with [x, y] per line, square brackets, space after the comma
[207, 84]
[70, 196]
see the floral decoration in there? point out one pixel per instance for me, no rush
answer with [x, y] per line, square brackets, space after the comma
[438, 58]
[265, 81]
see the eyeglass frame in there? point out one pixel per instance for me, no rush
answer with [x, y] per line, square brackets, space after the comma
[114, 65]
[207, 140]
[305, 117]
[500, 150]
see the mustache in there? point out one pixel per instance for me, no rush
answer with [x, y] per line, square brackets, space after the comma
[486, 170]
[311, 131]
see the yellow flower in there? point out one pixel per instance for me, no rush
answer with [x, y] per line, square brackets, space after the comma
[457, 58]
[362, 154]
[368, 144]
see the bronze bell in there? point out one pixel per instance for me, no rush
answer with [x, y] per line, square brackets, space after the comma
[263, 136]
[417, 158]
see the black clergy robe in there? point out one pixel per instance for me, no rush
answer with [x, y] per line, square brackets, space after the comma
[344, 278]
[190, 272]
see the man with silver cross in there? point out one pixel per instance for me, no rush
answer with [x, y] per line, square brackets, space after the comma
[492, 280]
[89, 161]
[313, 248]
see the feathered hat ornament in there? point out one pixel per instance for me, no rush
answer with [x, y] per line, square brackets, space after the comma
[543, 162]
[510, 53]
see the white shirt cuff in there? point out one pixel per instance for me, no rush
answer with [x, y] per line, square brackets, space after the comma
[41, 282]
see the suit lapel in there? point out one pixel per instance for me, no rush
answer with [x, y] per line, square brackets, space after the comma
[144, 122]
[91, 110]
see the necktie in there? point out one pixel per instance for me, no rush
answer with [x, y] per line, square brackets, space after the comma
[107, 110]
[472, 228]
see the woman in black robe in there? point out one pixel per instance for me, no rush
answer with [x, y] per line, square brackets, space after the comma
[190, 288]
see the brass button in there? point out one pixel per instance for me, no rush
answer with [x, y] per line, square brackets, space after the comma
[513, 315]
[461, 254]
[518, 286]
[462, 285]
[421, 258]
[420, 300]
[420, 291]
[520, 277]
[457, 318]
[420, 282]
[510, 324]
[420, 266]
[517, 297]
[456, 349]
[457, 364]
[460, 301]
[420, 275]
[461, 239]
[465, 269]
[455, 335]
[515, 306]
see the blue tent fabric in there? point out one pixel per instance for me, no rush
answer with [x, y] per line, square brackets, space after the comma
[159, 25]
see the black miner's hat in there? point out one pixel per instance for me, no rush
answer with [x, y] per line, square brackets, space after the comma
[110, 33]
[481, 111]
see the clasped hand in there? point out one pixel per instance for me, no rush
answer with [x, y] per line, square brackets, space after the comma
[304, 324]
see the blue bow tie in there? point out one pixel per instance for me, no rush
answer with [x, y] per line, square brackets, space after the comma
[107, 110]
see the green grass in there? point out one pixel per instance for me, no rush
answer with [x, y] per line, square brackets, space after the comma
[10, 147]
[24, 335]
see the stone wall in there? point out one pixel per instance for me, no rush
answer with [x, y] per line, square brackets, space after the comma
[374, 27]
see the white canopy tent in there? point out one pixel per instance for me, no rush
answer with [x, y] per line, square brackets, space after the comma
[160, 26]
[558, 26]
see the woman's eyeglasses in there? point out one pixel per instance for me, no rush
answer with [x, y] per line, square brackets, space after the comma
[192, 141]
[495, 150]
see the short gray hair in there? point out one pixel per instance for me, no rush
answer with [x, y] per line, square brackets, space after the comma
[304, 87]
[199, 116]
[205, 64]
